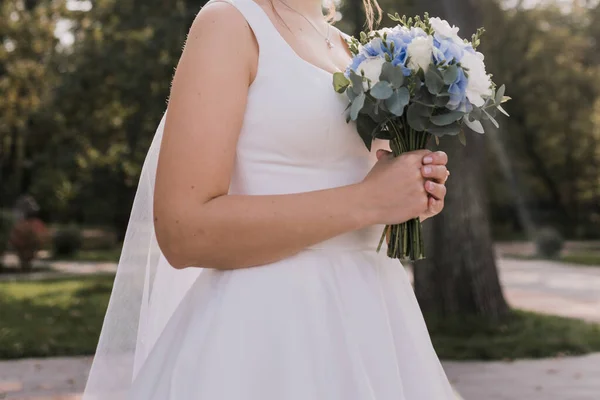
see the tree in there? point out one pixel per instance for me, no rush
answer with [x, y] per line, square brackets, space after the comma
[27, 49]
[460, 275]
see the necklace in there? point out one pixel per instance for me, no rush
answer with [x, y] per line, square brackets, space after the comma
[327, 41]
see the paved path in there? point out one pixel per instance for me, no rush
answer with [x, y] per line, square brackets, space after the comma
[541, 286]
[570, 378]
[552, 288]
[573, 378]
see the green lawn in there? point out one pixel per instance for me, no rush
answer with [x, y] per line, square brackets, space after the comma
[64, 317]
[521, 335]
[52, 318]
[583, 258]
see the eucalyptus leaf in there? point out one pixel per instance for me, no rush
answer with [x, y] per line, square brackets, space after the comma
[340, 82]
[452, 129]
[441, 101]
[357, 105]
[357, 83]
[391, 74]
[366, 128]
[496, 124]
[462, 138]
[451, 74]
[396, 103]
[382, 90]
[476, 114]
[447, 118]
[500, 94]
[415, 119]
[502, 110]
[424, 97]
[350, 93]
[505, 99]
[474, 125]
[433, 80]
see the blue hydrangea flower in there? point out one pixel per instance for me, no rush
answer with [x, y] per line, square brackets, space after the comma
[458, 93]
[356, 61]
[447, 50]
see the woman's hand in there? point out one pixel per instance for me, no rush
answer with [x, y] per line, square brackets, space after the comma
[436, 174]
[408, 186]
[395, 187]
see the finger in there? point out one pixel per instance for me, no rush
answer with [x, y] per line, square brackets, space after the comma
[437, 157]
[382, 153]
[435, 206]
[439, 173]
[436, 190]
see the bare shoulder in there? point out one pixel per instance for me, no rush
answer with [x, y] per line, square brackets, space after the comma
[221, 22]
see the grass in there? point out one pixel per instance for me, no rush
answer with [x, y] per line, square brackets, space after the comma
[53, 317]
[521, 335]
[584, 258]
[63, 317]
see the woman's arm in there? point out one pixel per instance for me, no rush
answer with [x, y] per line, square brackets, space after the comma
[196, 222]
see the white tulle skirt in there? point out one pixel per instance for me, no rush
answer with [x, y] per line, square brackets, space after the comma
[326, 324]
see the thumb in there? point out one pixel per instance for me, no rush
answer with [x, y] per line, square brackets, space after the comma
[382, 153]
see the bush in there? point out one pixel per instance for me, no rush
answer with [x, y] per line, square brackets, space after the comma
[6, 222]
[549, 243]
[26, 238]
[67, 241]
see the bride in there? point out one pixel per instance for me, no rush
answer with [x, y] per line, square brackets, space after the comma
[249, 269]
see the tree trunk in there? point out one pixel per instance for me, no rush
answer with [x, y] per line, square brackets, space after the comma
[460, 276]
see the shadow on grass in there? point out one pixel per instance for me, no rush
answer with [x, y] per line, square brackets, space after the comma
[520, 335]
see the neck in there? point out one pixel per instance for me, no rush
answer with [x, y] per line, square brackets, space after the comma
[312, 9]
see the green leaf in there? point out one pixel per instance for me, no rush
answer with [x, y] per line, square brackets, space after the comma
[447, 118]
[357, 83]
[398, 101]
[441, 101]
[433, 80]
[505, 99]
[462, 138]
[340, 82]
[491, 118]
[502, 110]
[415, 119]
[366, 128]
[424, 97]
[500, 94]
[474, 125]
[350, 93]
[382, 90]
[357, 105]
[391, 74]
[451, 74]
[452, 129]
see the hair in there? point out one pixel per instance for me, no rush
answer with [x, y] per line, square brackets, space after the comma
[373, 13]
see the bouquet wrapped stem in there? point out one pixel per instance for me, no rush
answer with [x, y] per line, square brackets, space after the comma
[405, 240]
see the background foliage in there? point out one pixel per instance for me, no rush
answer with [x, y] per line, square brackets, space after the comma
[78, 110]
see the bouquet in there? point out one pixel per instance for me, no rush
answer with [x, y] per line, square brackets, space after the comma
[410, 83]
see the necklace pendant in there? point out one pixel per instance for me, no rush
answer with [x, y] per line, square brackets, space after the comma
[329, 44]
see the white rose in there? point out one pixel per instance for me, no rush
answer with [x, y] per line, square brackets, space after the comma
[479, 84]
[420, 51]
[443, 29]
[371, 68]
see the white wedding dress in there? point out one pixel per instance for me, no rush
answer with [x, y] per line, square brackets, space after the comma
[337, 321]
